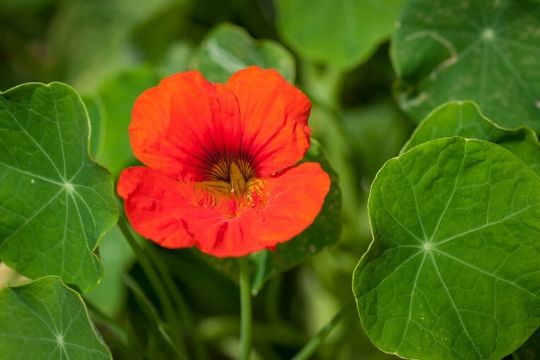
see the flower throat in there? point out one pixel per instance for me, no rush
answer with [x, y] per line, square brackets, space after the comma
[229, 177]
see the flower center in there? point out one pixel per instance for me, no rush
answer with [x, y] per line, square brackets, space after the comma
[229, 176]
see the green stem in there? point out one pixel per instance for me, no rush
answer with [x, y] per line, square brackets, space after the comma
[309, 349]
[157, 285]
[245, 309]
[180, 302]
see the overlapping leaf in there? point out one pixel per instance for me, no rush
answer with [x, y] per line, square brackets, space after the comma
[453, 271]
[47, 320]
[465, 119]
[55, 203]
[482, 50]
[229, 48]
[341, 33]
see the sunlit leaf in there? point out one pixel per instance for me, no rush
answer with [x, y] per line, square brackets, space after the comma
[453, 270]
[229, 48]
[465, 119]
[55, 202]
[46, 320]
[482, 50]
[338, 32]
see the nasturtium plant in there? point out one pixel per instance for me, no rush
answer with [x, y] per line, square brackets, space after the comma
[239, 233]
[229, 48]
[480, 50]
[465, 119]
[312, 28]
[453, 270]
[55, 201]
[47, 320]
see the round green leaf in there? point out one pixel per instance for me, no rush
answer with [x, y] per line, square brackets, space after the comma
[46, 320]
[343, 33]
[229, 48]
[453, 271]
[465, 119]
[55, 202]
[482, 50]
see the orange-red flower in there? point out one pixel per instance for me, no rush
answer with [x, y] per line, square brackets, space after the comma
[221, 160]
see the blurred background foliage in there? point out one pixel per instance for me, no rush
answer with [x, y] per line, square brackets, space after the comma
[334, 50]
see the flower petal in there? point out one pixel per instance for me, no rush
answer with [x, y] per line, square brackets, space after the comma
[294, 200]
[274, 118]
[154, 205]
[180, 126]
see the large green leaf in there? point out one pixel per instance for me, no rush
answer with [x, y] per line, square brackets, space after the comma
[115, 98]
[482, 50]
[342, 33]
[47, 320]
[229, 48]
[55, 202]
[465, 119]
[324, 231]
[453, 271]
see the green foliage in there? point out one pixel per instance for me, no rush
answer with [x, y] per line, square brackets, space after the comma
[453, 270]
[55, 201]
[341, 33]
[92, 38]
[229, 48]
[116, 257]
[480, 50]
[114, 99]
[47, 320]
[465, 119]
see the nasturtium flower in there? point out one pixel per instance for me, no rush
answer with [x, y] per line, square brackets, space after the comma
[221, 163]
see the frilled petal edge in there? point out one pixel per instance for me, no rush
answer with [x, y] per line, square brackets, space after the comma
[273, 119]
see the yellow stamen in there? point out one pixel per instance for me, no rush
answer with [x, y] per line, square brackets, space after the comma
[229, 176]
[236, 179]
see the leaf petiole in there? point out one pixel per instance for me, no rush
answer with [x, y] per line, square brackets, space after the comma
[307, 351]
[156, 283]
[245, 309]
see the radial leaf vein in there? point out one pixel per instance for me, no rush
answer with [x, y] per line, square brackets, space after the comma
[454, 306]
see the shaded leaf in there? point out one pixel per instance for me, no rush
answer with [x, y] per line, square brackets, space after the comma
[116, 256]
[342, 33]
[92, 40]
[115, 99]
[229, 48]
[481, 50]
[465, 119]
[55, 202]
[47, 320]
[453, 270]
